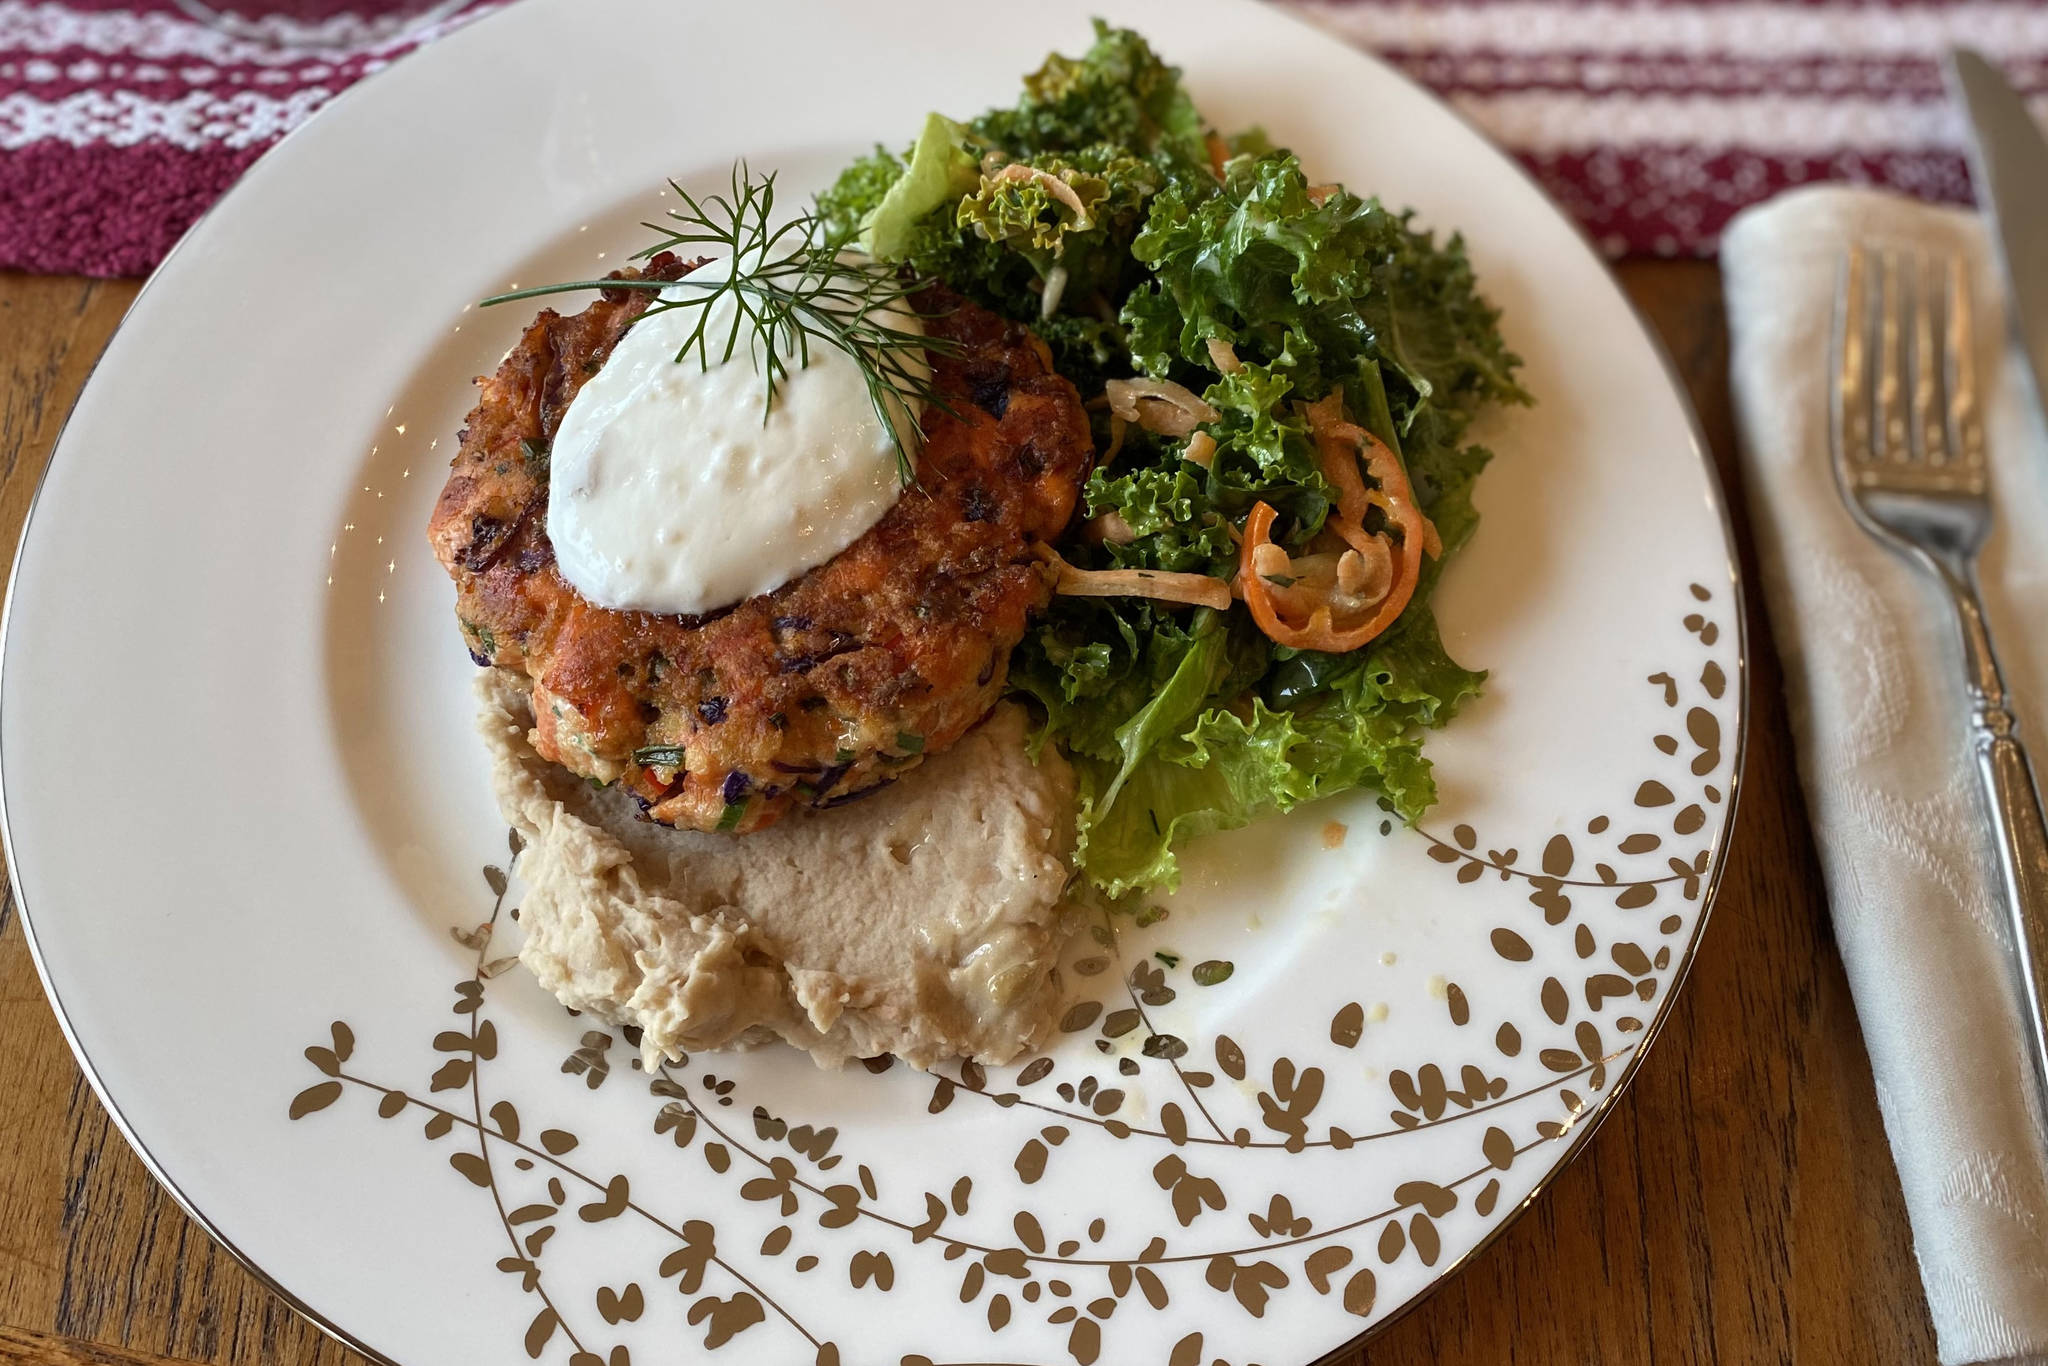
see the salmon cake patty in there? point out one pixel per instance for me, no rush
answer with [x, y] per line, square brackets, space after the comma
[833, 684]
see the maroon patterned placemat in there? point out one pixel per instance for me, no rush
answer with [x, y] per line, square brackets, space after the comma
[121, 121]
[1652, 122]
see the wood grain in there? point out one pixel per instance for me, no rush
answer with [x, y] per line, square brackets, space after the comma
[1738, 1207]
[19, 1347]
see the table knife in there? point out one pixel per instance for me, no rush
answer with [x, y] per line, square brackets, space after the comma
[2009, 167]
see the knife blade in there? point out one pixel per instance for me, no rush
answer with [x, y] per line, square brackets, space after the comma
[2009, 167]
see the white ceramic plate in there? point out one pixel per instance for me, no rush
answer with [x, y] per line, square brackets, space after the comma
[244, 801]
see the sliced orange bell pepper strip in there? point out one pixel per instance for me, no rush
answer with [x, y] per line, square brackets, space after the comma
[1320, 631]
[1339, 444]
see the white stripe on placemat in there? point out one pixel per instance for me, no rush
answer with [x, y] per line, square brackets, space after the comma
[122, 119]
[1542, 122]
[1491, 72]
[1561, 121]
[48, 27]
[2000, 27]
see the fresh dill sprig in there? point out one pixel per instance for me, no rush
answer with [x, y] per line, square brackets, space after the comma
[788, 289]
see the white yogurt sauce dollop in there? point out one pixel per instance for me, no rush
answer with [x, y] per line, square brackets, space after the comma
[668, 493]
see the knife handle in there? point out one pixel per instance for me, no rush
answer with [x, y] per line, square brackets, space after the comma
[2015, 805]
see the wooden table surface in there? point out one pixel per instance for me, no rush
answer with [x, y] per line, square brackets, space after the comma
[1739, 1206]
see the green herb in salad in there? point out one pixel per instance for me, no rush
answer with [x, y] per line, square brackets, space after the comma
[1243, 321]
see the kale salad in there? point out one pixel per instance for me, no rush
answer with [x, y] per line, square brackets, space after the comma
[1280, 374]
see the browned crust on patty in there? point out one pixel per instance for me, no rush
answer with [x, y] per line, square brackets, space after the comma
[830, 685]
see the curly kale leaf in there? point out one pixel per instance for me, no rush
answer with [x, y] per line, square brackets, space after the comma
[1321, 282]
[1182, 722]
[1118, 92]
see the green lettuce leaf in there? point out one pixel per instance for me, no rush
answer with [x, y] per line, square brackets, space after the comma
[1092, 664]
[941, 170]
[856, 193]
[1356, 725]
[1229, 768]
[1201, 670]
[1406, 673]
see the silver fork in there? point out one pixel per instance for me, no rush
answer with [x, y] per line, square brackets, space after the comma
[1909, 457]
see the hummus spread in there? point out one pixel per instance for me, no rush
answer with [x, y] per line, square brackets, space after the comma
[924, 921]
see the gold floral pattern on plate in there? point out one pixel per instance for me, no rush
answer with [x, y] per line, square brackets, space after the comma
[1401, 1175]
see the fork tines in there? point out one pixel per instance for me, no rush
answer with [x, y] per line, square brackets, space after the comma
[1906, 386]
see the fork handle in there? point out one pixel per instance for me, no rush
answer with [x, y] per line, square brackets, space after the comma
[2023, 859]
[2015, 802]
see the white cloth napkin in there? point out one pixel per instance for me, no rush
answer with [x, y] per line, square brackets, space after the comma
[1873, 674]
